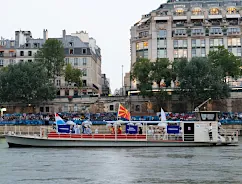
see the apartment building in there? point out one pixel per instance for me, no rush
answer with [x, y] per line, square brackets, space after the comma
[80, 51]
[186, 28]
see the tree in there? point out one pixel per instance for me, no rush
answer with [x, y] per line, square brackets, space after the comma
[229, 63]
[27, 83]
[141, 72]
[73, 75]
[51, 57]
[200, 81]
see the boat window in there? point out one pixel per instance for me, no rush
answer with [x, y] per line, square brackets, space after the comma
[208, 116]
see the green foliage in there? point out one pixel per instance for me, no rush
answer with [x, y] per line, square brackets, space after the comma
[27, 83]
[229, 63]
[199, 80]
[73, 75]
[51, 56]
[142, 71]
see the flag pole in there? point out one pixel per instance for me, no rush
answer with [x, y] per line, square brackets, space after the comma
[118, 110]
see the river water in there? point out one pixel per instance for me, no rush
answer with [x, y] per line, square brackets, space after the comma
[124, 165]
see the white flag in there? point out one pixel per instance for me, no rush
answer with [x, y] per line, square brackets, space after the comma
[162, 115]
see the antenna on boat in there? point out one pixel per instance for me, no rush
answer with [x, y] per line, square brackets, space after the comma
[198, 107]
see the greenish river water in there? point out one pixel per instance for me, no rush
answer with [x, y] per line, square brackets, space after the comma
[112, 165]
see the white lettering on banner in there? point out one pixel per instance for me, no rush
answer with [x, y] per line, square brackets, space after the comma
[172, 128]
[130, 129]
[64, 128]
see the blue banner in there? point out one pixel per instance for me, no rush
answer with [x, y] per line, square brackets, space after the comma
[173, 129]
[131, 129]
[64, 129]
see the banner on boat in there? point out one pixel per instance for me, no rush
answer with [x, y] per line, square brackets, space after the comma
[173, 129]
[64, 129]
[131, 129]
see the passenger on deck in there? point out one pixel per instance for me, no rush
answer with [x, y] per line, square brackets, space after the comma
[210, 128]
[112, 130]
[77, 130]
[140, 131]
[119, 129]
[88, 130]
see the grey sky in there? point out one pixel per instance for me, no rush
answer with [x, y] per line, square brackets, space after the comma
[108, 21]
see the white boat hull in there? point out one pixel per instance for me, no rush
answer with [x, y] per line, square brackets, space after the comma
[27, 141]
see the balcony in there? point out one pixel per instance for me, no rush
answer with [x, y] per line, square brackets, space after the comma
[143, 27]
[216, 33]
[197, 23]
[230, 33]
[179, 35]
[198, 33]
[181, 24]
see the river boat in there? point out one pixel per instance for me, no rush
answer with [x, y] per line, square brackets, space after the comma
[203, 132]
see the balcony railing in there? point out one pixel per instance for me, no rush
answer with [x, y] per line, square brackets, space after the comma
[233, 33]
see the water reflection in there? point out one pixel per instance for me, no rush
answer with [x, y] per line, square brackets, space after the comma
[125, 165]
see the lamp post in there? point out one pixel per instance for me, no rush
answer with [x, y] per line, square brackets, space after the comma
[122, 80]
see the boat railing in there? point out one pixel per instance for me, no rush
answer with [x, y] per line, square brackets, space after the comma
[228, 135]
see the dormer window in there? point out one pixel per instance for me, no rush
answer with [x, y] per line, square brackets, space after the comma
[231, 10]
[27, 45]
[84, 51]
[197, 11]
[214, 11]
[71, 44]
[179, 11]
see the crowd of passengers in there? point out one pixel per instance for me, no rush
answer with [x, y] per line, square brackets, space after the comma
[112, 116]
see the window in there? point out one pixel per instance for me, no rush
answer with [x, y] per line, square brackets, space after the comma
[58, 82]
[214, 11]
[180, 31]
[180, 53]
[197, 11]
[41, 109]
[29, 60]
[162, 53]
[233, 30]
[47, 109]
[142, 45]
[231, 10]
[193, 43]
[67, 60]
[70, 44]
[12, 43]
[84, 83]
[1, 62]
[84, 51]
[161, 43]
[66, 92]
[180, 43]
[203, 52]
[234, 42]
[84, 72]
[137, 108]
[162, 34]
[215, 30]
[75, 61]
[84, 61]
[36, 45]
[216, 42]
[71, 51]
[193, 52]
[21, 53]
[58, 93]
[111, 107]
[11, 61]
[29, 53]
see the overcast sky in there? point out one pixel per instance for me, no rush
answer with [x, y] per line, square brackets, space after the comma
[108, 21]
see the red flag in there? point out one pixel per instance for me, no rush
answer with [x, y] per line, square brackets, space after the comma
[123, 112]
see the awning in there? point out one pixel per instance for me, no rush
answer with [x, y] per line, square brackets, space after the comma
[142, 21]
[197, 17]
[232, 15]
[215, 16]
[179, 17]
[162, 18]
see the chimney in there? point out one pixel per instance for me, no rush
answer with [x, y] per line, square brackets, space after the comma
[45, 35]
[64, 34]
